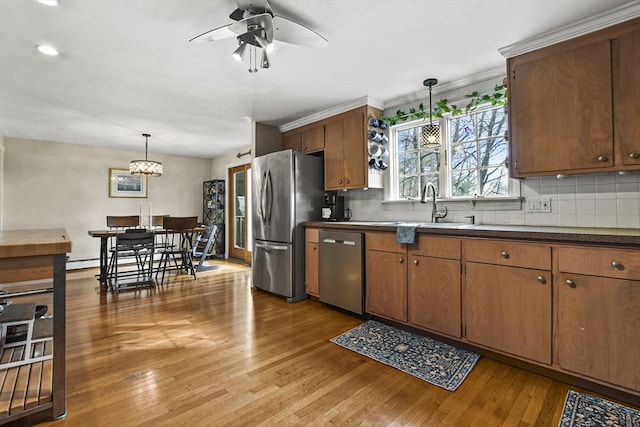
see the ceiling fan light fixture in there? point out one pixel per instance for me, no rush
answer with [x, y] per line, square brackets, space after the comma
[238, 54]
[48, 50]
[264, 62]
[264, 44]
[145, 167]
[49, 2]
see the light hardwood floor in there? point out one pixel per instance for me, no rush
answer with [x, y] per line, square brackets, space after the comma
[216, 352]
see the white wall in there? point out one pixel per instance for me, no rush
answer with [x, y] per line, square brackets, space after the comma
[50, 185]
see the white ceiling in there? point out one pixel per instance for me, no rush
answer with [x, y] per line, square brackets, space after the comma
[126, 66]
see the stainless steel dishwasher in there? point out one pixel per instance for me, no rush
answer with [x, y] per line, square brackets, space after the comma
[341, 270]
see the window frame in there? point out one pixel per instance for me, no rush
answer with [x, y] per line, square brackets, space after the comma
[445, 173]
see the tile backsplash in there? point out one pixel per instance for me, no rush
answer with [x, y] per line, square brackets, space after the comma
[607, 200]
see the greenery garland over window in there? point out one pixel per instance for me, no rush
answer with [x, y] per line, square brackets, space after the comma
[499, 96]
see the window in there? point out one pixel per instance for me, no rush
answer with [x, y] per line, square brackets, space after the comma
[475, 146]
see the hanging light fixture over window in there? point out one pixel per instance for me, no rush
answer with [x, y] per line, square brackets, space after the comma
[145, 167]
[430, 132]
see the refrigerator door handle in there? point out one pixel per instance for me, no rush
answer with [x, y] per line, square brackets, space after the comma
[270, 192]
[261, 207]
[275, 247]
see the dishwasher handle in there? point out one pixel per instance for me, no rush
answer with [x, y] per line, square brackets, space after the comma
[340, 242]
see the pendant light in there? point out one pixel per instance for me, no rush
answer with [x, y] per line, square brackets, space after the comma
[145, 167]
[430, 133]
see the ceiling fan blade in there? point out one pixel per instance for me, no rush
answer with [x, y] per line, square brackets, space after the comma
[288, 31]
[215, 34]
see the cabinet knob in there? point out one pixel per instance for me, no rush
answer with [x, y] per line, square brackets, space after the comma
[400, 260]
[314, 247]
[346, 181]
[602, 159]
[340, 182]
[616, 264]
[570, 283]
[634, 155]
[304, 148]
[415, 261]
[541, 279]
[504, 254]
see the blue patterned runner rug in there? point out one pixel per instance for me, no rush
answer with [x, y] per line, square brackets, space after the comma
[584, 410]
[430, 360]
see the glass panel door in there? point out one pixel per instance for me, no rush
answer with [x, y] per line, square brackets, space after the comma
[240, 221]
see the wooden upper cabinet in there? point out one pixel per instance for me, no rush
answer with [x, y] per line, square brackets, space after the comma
[313, 139]
[573, 105]
[561, 111]
[345, 152]
[627, 101]
[292, 140]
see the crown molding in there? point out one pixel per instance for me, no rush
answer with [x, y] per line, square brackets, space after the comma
[444, 88]
[365, 100]
[597, 22]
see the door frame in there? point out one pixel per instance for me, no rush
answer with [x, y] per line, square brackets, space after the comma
[228, 202]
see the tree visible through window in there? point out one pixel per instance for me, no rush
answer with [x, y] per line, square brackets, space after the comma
[476, 147]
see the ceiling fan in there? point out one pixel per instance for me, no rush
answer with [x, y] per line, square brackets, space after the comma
[257, 26]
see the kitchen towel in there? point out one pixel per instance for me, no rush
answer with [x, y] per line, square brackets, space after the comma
[406, 233]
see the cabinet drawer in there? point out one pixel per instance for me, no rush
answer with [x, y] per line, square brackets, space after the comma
[437, 247]
[384, 242]
[504, 252]
[311, 235]
[618, 263]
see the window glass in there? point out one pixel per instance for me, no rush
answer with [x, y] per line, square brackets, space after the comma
[475, 146]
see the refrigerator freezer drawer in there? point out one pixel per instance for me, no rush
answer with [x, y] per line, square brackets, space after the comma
[273, 267]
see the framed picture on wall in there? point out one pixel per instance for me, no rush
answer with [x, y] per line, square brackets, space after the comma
[123, 184]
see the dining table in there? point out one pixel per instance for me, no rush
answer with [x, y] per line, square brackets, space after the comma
[105, 235]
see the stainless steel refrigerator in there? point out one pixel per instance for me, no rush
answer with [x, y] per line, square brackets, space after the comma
[287, 190]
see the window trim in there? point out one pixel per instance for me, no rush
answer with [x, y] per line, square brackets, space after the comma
[513, 191]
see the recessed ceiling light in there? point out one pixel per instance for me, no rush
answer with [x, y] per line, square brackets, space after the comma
[50, 2]
[47, 50]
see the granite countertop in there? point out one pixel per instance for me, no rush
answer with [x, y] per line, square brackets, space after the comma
[609, 236]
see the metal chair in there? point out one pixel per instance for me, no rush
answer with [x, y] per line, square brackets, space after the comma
[140, 245]
[178, 253]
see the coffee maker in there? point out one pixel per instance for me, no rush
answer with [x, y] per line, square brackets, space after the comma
[334, 207]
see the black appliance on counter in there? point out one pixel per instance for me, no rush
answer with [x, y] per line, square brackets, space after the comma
[333, 209]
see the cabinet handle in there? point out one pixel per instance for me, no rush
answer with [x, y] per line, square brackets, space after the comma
[415, 261]
[634, 155]
[505, 254]
[602, 159]
[616, 264]
[400, 260]
[541, 279]
[570, 283]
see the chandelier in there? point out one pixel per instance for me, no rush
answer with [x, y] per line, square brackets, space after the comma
[430, 132]
[145, 167]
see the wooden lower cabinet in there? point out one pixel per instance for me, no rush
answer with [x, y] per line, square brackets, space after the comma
[509, 309]
[311, 270]
[598, 328]
[386, 293]
[434, 294]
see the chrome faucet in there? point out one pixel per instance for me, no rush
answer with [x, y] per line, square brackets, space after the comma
[435, 214]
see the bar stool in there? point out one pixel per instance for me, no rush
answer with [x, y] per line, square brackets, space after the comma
[177, 255]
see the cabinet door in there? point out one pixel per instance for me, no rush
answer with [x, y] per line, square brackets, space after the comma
[387, 285]
[627, 95]
[292, 140]
[355, 151]
[560, 111]
[598, 324]
[313, 139]
[509, 309]
[434, 294]
[311, 268]
[334, 155]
